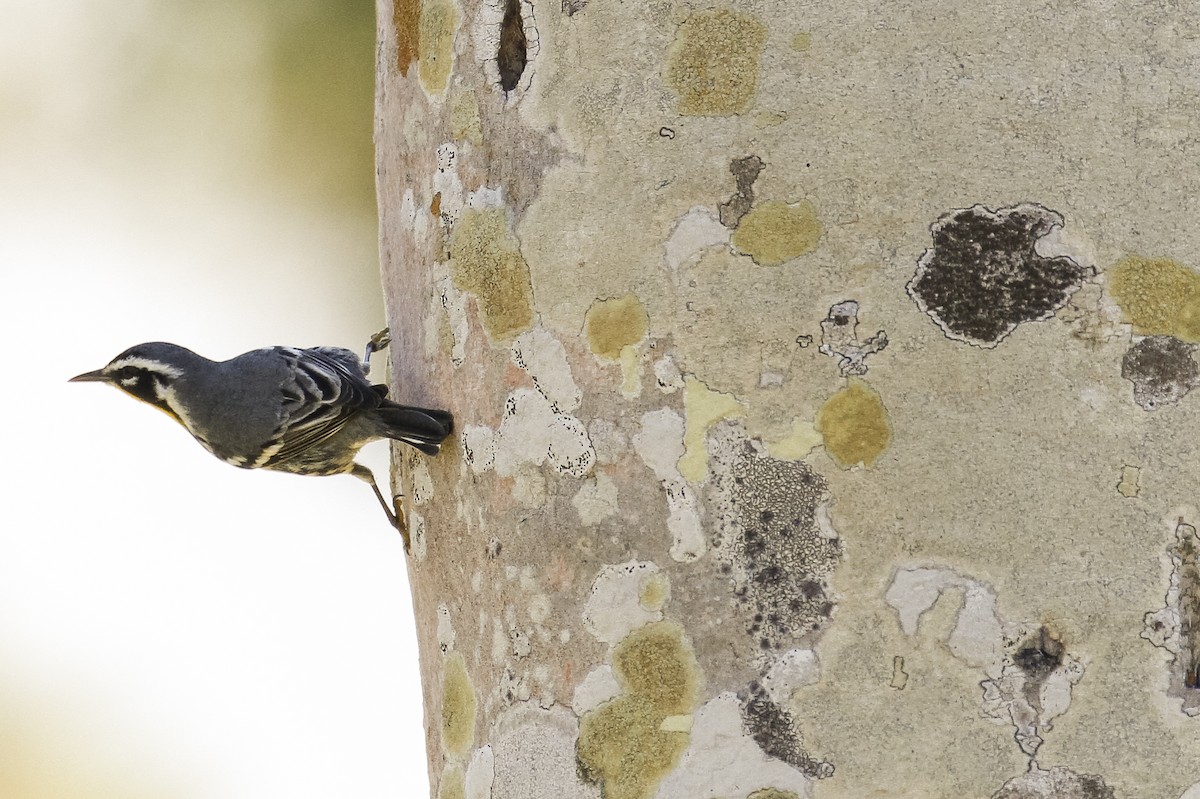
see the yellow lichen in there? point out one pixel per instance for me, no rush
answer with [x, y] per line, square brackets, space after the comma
[702, 408]
[464, 118]
[485, 260]
[458, 707]
[406, 19]
[854, 424]
[774, 232]
[801, 41]
[435, 44]
[614, 324]
[713, 63]
[453, 784]
[1128, 486]
[622, 743]
[653, 591]
[800, 440]
[1158, 296]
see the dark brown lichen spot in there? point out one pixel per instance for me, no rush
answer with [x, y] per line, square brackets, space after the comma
[573, 7]
[1162, 369]
[512, 54]
[406, 19]
[745, 172]
[775, 732]
[983, 276]
[1039, 656]
[1059, 782]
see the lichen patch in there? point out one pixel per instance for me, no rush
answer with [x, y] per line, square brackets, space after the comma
[722, 759]
[486, 260]
[983, 276]
[465, 123]
[854, 425]
[435, 44]
[703, 408]
[1158, 296]
[801, 439]
[406, 20]
[613, 324]
[1175, 627]
[713, 63]
[615, 606]
[772, 539]
[1029, 673]
[774, 232]
[1162, 369]
[839, 339]
[622, 744]
[458, 706]
[1059, 782]
[745, 171]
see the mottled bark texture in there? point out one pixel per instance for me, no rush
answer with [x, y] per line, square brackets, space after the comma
[823, 381]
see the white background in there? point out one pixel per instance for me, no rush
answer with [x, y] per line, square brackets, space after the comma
[171, 626]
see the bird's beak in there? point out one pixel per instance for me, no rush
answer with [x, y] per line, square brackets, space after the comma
[97, 376]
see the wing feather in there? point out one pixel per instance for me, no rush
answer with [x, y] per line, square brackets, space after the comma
[325, 391]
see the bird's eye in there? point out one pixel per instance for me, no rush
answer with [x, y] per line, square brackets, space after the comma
[126, 373]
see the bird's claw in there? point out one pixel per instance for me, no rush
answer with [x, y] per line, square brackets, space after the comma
[377, 342]
[401, 522]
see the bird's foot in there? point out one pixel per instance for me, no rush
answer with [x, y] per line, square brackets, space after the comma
[401, 522]
[377, 342]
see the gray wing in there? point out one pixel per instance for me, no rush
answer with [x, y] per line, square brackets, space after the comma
[325, 389]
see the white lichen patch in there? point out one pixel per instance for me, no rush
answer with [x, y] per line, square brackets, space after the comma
[448, 186]
[445, 629]
[694, 232]
[790, 672]
[614, 608]
[659, 443]
[1174, 626]
[599, 686]
[416, 534]
[667, 375]
[479, 447]
[454, 303]
[534, 756]
[596, 499]
[839, 339]
[422, 482]
[722, 760]
[1028, 673]
[531, 432]
[481, 773]
[544, 359]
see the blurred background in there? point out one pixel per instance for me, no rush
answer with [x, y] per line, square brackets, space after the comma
[198, 172]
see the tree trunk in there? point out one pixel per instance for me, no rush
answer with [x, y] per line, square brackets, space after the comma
[820, 378]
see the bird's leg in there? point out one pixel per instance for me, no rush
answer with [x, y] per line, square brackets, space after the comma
[378, 342]
[396, 516]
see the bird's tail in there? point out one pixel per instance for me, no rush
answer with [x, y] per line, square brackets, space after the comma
[423, 428]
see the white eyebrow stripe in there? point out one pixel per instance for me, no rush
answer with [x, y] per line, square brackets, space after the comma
[148, 364]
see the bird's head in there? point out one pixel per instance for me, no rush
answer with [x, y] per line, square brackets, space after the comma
[146, 372]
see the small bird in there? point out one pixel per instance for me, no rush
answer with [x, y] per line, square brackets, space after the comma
[304, 411]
